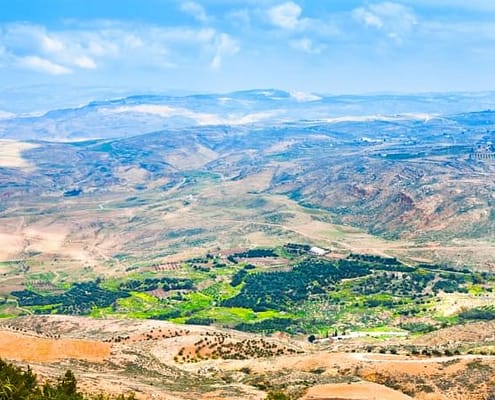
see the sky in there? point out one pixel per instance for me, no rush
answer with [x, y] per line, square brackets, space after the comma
[330, 46]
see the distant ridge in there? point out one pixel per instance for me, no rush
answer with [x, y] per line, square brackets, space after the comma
[139, 114]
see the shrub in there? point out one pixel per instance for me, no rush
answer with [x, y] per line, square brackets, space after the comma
[277, 395]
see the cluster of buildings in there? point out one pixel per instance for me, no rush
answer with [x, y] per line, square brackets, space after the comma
[485, 151]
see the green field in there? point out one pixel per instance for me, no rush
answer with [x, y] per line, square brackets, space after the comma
[308, 294]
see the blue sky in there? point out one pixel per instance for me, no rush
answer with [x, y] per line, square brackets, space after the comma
[332, 46]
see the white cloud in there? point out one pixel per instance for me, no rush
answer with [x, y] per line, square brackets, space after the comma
[133, 42]
[96, 44]
[285, 15]
[6, 115]
[50, 44]
[393, 19]
[225, 45]
[368, 18]
[308, 35]
[194, 9]
[4, 55]
[43, 65]
[85, 62]
[306, 45]
[55, 53]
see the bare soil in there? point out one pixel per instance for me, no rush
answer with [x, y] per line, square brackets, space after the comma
[19, 347]
[354, 391]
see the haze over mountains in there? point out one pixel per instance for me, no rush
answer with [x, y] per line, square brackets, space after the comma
[136, 115]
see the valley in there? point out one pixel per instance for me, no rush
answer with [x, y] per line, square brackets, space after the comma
[190, 260]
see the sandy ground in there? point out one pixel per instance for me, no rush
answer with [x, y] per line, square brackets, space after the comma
[18, 347]
[154, 345]
[353, 391]
[45, 238]
[11, 154]
[12, 245]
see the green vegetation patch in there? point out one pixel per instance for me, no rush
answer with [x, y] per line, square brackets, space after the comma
[486, 313]
[80, 299]
[280, 290]
[303, 293]
[19, 383]
[269, 325]
[149, 284]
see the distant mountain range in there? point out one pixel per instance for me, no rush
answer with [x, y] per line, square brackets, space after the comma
[141, 114]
